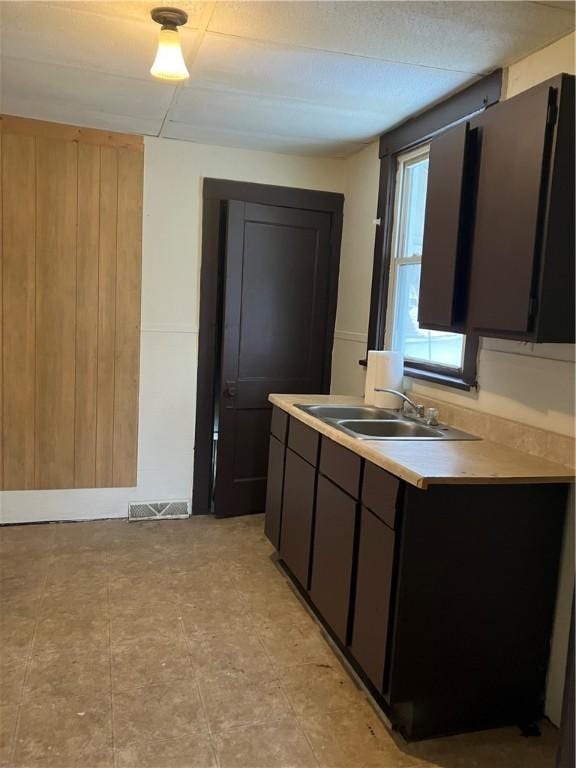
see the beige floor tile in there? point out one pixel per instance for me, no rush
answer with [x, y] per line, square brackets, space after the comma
[127, 597]
[273, 745]
[78, 568]
[75, 634]
[11, 680]
[21, 606]
[8, 717]
[501, 748]
[356, 738]
[69, 604]
[193, 751]
[18, 540]
[291, 643]
[233, 699]
[271, 610]
[161, 712]
[146, 624]
[313, 688]
[65, 732]
[66, 673]
[253, 648]
[150, 661]
[229, 650]
[211, 612]
[16, 635]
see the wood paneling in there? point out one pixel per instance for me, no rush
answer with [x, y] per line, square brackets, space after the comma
[106, 314]
[56, 212]
[25, 126]
[1, 338]
[70, 301]
[87, 314]
[18, 309]
[127, 340]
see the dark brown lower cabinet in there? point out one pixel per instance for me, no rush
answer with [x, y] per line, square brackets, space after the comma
[474, 594]
[274, 490]
[373, 591]
[333, 556]
[297, 516]
[447, 616]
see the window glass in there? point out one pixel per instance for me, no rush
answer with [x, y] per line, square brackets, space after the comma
[405, 335]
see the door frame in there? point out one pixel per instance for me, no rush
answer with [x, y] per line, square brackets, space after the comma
[215, 194]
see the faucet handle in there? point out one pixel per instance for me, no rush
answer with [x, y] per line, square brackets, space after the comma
[432, 416]
[410, 409]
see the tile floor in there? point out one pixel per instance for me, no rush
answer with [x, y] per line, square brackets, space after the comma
[180, 645]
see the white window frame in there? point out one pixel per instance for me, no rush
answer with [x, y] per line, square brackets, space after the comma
[398, 228]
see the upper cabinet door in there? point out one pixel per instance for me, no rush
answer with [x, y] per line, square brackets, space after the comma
[445, 254]
[519, 167]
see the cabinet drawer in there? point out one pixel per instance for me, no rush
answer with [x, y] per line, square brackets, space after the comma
[304, 441]
[341, 466]
[279, 424]
[333, 556]
[297, 516]
[380, 493]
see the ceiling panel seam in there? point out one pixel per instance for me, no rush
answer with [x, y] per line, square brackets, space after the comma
[190, 59]
[295, 137]
[271, 97]
[336, 52]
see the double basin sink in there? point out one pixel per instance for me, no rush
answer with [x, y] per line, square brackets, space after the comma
[367, 422]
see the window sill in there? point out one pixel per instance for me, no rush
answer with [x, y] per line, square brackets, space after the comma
[438, 378]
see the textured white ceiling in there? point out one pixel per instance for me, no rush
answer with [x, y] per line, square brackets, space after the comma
[301, 77]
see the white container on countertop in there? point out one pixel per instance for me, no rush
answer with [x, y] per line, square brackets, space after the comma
[384, 370]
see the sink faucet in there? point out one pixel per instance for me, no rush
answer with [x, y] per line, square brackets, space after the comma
[429, 415]
[417, 409]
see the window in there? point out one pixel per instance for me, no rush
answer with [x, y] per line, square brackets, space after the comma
[419, 346]
[446, 358]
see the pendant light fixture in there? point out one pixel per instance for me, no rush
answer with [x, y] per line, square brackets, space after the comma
[169, 63]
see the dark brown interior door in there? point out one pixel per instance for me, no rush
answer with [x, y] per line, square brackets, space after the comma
[275, 338]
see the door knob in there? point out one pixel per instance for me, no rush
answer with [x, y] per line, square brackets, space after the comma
[229, 390]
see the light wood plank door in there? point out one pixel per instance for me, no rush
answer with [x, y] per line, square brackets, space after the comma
[106, 314]
[127, 339]
[87, 255]
[56, 225]
[70, 275]
[19, 310]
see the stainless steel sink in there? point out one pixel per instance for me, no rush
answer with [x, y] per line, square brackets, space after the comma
[339, 412]
[366, 422]
[372, 429]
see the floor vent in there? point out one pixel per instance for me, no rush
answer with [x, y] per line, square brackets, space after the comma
[158, 510]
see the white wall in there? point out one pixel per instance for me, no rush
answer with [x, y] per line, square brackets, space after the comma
[529, 383]
[173, 173]
[361, 192]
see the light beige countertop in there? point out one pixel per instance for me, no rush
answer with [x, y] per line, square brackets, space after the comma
[427, 462]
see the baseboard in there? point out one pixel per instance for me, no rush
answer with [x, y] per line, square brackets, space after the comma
[18, 517]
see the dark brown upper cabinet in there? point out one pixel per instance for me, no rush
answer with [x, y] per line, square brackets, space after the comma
[447, 230]
[522, 277]
[498, 252]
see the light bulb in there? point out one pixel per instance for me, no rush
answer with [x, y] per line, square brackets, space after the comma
[169, 63]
